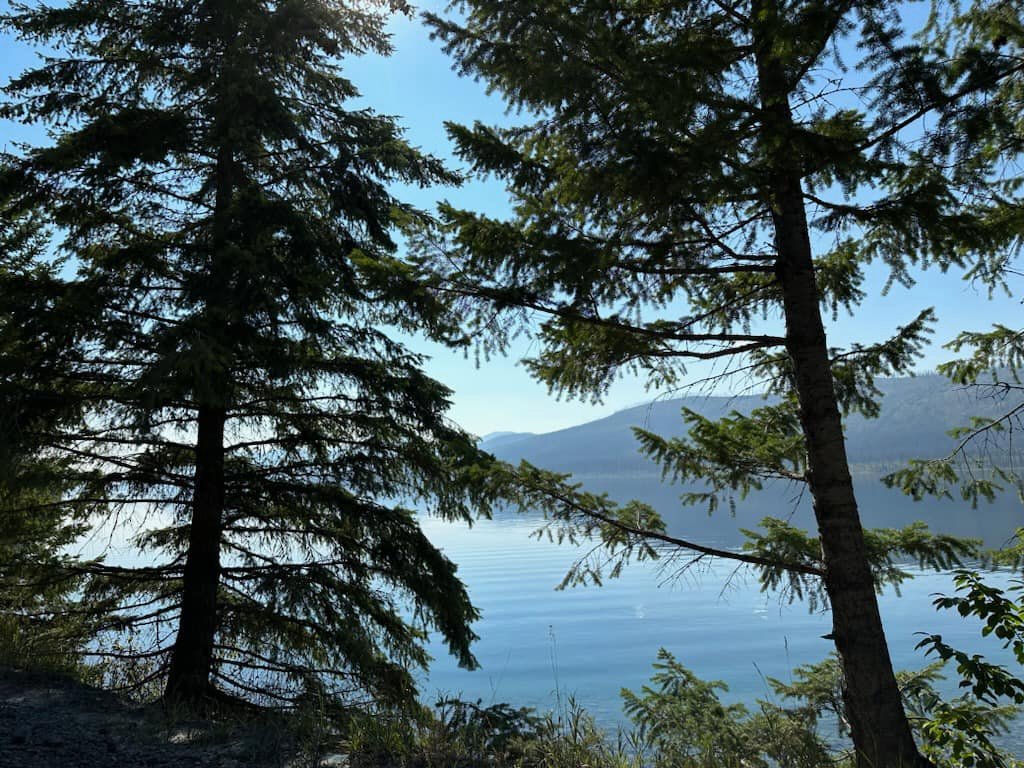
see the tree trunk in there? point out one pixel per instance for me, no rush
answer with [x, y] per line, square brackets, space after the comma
[192, 655]
[189, 679]
[880, 730]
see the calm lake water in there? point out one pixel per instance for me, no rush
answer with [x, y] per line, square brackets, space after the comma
[538, 645]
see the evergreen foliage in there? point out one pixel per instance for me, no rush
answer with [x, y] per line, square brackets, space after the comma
[704, 181]
[33, 529]
[988, 361]
[226, 387]
[678, 720]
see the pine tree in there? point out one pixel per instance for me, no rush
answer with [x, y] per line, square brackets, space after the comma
[226, 220]
[989, 361]
[34, 334]
[705, 181]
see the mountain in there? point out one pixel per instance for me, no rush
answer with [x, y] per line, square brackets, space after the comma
[917, 414]
[495, 439]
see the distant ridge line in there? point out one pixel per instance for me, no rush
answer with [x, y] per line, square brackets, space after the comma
[917, 413]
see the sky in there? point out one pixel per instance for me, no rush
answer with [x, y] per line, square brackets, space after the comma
[417, 84]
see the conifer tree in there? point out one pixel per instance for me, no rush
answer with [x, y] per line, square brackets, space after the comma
[226, 218]
[705, 180]
[988, 360]
[33, 335]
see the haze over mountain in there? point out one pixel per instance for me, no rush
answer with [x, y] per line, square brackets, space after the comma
[917, 414]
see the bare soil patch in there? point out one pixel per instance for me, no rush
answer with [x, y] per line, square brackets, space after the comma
[48, 721]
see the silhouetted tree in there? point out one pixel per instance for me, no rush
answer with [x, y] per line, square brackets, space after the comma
[34, 336]
[702, 181]
[989, 361]
[241, 404]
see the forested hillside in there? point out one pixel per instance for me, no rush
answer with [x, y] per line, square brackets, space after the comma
[917, 415]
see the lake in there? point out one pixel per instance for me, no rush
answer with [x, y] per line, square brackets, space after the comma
[538, 645]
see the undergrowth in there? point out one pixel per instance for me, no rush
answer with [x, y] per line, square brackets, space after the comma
[677, 720]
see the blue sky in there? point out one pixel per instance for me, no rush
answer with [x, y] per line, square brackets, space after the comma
[418, 85]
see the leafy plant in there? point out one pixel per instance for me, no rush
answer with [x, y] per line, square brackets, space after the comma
[960, 731]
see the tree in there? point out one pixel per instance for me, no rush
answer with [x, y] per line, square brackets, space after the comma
[987, 361]
[33, 337]
[701, 181]
[226, 221]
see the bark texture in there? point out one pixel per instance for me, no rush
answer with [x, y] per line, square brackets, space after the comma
[881, 732]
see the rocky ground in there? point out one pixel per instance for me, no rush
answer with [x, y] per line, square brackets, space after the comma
[52, 722]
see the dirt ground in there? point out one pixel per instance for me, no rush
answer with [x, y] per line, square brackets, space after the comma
[52, 722]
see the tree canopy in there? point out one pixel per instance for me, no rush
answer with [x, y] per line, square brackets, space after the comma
[228, 380]
[710, 181]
